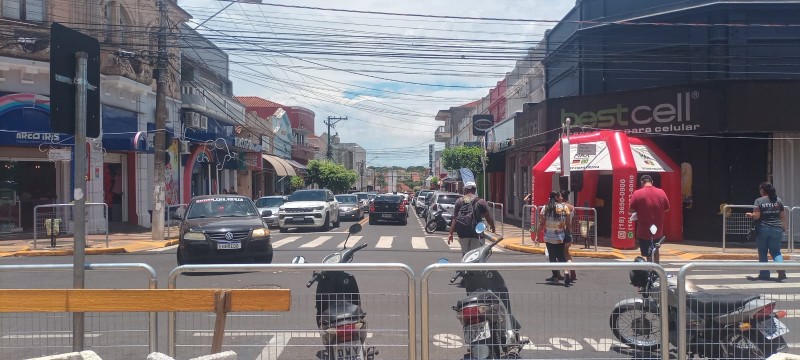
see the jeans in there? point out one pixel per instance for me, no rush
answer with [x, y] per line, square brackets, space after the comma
[556, 254]
[769, 240]
[468, 244]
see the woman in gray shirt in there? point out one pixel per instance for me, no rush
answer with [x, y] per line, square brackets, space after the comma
[771, 219]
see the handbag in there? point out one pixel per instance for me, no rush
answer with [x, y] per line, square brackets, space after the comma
[752, 232]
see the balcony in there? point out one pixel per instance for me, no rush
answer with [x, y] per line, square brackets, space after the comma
[442, 134]
[211, 103]
[303, 153]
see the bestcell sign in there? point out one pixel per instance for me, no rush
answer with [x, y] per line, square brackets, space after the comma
[481, 123]
[660, 110]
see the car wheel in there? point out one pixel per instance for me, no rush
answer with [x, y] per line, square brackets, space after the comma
[372, 221]
[264, 259]
[404, 221]
[327, 224]
[283, 230]
[181, 258]
[338, 221]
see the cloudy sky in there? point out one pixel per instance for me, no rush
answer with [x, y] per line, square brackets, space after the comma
[388, 73]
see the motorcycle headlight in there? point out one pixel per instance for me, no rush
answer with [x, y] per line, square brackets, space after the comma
[319, 208]
[263, 232]
[194, 236]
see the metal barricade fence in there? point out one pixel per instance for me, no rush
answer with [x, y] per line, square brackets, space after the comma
[171, 225]
[559, 324]
[110, 335]
[94, 224]
[496, 208]
[391, 327]
[734, 222]
[530, 217]
[794, 224]
[746, 333]
[584, 224]
[8, 225]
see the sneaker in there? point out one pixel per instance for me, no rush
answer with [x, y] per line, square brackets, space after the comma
[572, 275]
[781, 275]
[554, 279]
[568, 281]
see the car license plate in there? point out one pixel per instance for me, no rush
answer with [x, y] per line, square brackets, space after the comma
[228, 246]
[346, 352]
[386, 216]
[299, 218]
[772, 328]
[477, 332]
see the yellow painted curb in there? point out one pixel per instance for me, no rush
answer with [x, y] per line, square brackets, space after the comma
[575, 253]
[65, 252]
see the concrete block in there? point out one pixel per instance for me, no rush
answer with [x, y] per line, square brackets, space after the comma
[784, 356]
[83, 355]
[158, 356]
[225, 355]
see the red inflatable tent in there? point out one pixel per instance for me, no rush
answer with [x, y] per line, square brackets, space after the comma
[607, 152]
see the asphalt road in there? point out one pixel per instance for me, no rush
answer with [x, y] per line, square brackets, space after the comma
[561, 322]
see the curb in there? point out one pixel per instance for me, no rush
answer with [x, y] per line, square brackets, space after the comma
[575, 253]
[27, 252]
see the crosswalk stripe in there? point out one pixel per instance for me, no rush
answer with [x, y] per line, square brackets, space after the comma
[455, 245]
[384, 242]
[754, 285]
[316, 242]
[418, 242]
[284, 241]
[353, 241]
[721, 276]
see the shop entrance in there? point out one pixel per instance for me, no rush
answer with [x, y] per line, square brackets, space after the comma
[23, 185]
[115, 187]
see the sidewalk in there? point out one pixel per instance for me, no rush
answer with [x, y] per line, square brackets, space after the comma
[687, 250]
[127, 241]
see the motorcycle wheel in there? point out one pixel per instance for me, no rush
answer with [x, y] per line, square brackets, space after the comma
[431, 227]
[636, 327]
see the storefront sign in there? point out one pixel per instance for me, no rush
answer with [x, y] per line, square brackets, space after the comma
[646, 161]
[529, 125]
[247, 144]
[481, 123]
[265, 147]
[598, 160]
[250, 161]
[59, 154]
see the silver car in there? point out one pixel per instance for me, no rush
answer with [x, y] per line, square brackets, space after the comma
[446, 200]
[270, 203]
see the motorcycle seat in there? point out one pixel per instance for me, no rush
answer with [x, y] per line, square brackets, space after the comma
[481, 297]
[717, 304]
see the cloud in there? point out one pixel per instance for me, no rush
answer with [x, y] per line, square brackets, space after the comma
[297, 57]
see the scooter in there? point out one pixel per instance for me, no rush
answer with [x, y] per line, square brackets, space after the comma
[490, 330]
[719, 326]
[339, 317]
[437, 222]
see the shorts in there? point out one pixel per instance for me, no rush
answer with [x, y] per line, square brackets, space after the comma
[644, 246]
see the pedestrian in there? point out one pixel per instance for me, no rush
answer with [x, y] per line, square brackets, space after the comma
[224, 191]
[232, 191]
[553, 220]
[568, 236]
[468, 211]
[771, 223]
[528, 199]
[649, 203]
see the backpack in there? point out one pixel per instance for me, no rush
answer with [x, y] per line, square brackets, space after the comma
[466, 218]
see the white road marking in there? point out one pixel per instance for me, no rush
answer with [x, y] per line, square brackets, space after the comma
[721, 276]
[418, 242]
[384, 242]
[753, 285]
[353, 241]
[44, 336]
[316, 242]
[164, 248]
[455, 245]
[284, 241]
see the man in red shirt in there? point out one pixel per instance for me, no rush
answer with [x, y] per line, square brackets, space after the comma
[649, 203]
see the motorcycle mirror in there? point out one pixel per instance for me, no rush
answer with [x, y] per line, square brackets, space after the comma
[299, 260]
[442, 261]
[480, 228]
[653, 229]
[354, 229]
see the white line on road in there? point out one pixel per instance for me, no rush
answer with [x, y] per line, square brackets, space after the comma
[316, 242]
[353, 241]
[418, 242]
[44, 336]
[754, 285]
[284, 241]
[163, 249]
[384, 242]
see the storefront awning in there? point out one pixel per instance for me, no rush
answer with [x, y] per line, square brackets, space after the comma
[282, 168]
[296, 164]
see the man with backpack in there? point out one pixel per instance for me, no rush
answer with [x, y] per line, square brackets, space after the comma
[468, 212]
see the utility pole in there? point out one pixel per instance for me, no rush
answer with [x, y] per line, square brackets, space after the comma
[331, 122]
[157, 225]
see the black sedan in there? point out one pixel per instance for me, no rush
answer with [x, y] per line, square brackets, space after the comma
[388, 208]
[217, 227]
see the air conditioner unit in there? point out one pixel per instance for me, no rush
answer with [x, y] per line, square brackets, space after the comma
[191, 119]
[184, 147]
[204, 122]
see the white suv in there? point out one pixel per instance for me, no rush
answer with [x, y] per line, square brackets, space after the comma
[309, 209]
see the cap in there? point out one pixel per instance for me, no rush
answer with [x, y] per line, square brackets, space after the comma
[646, 178]
[470, 184]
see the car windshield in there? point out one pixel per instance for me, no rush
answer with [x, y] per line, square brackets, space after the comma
[221, 207]
[347, 199]
[362, 196]
[308, 195]
[389, 199]
[266, 202]
[447, 199]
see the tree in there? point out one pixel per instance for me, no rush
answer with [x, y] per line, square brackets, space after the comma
[296, 182]
[463, 157]
[330, 175]
[435, 181]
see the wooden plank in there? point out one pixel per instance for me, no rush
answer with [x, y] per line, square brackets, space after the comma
[139, 300]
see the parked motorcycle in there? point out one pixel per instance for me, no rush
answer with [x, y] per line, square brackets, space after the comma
[719, 326]
[490, 330]
[339, 317]
[437, 222]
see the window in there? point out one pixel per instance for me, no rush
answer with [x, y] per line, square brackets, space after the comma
[27, 10]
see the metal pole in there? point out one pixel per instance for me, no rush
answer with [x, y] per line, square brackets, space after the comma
[568, 121]
[79, 193]
[159, 143]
